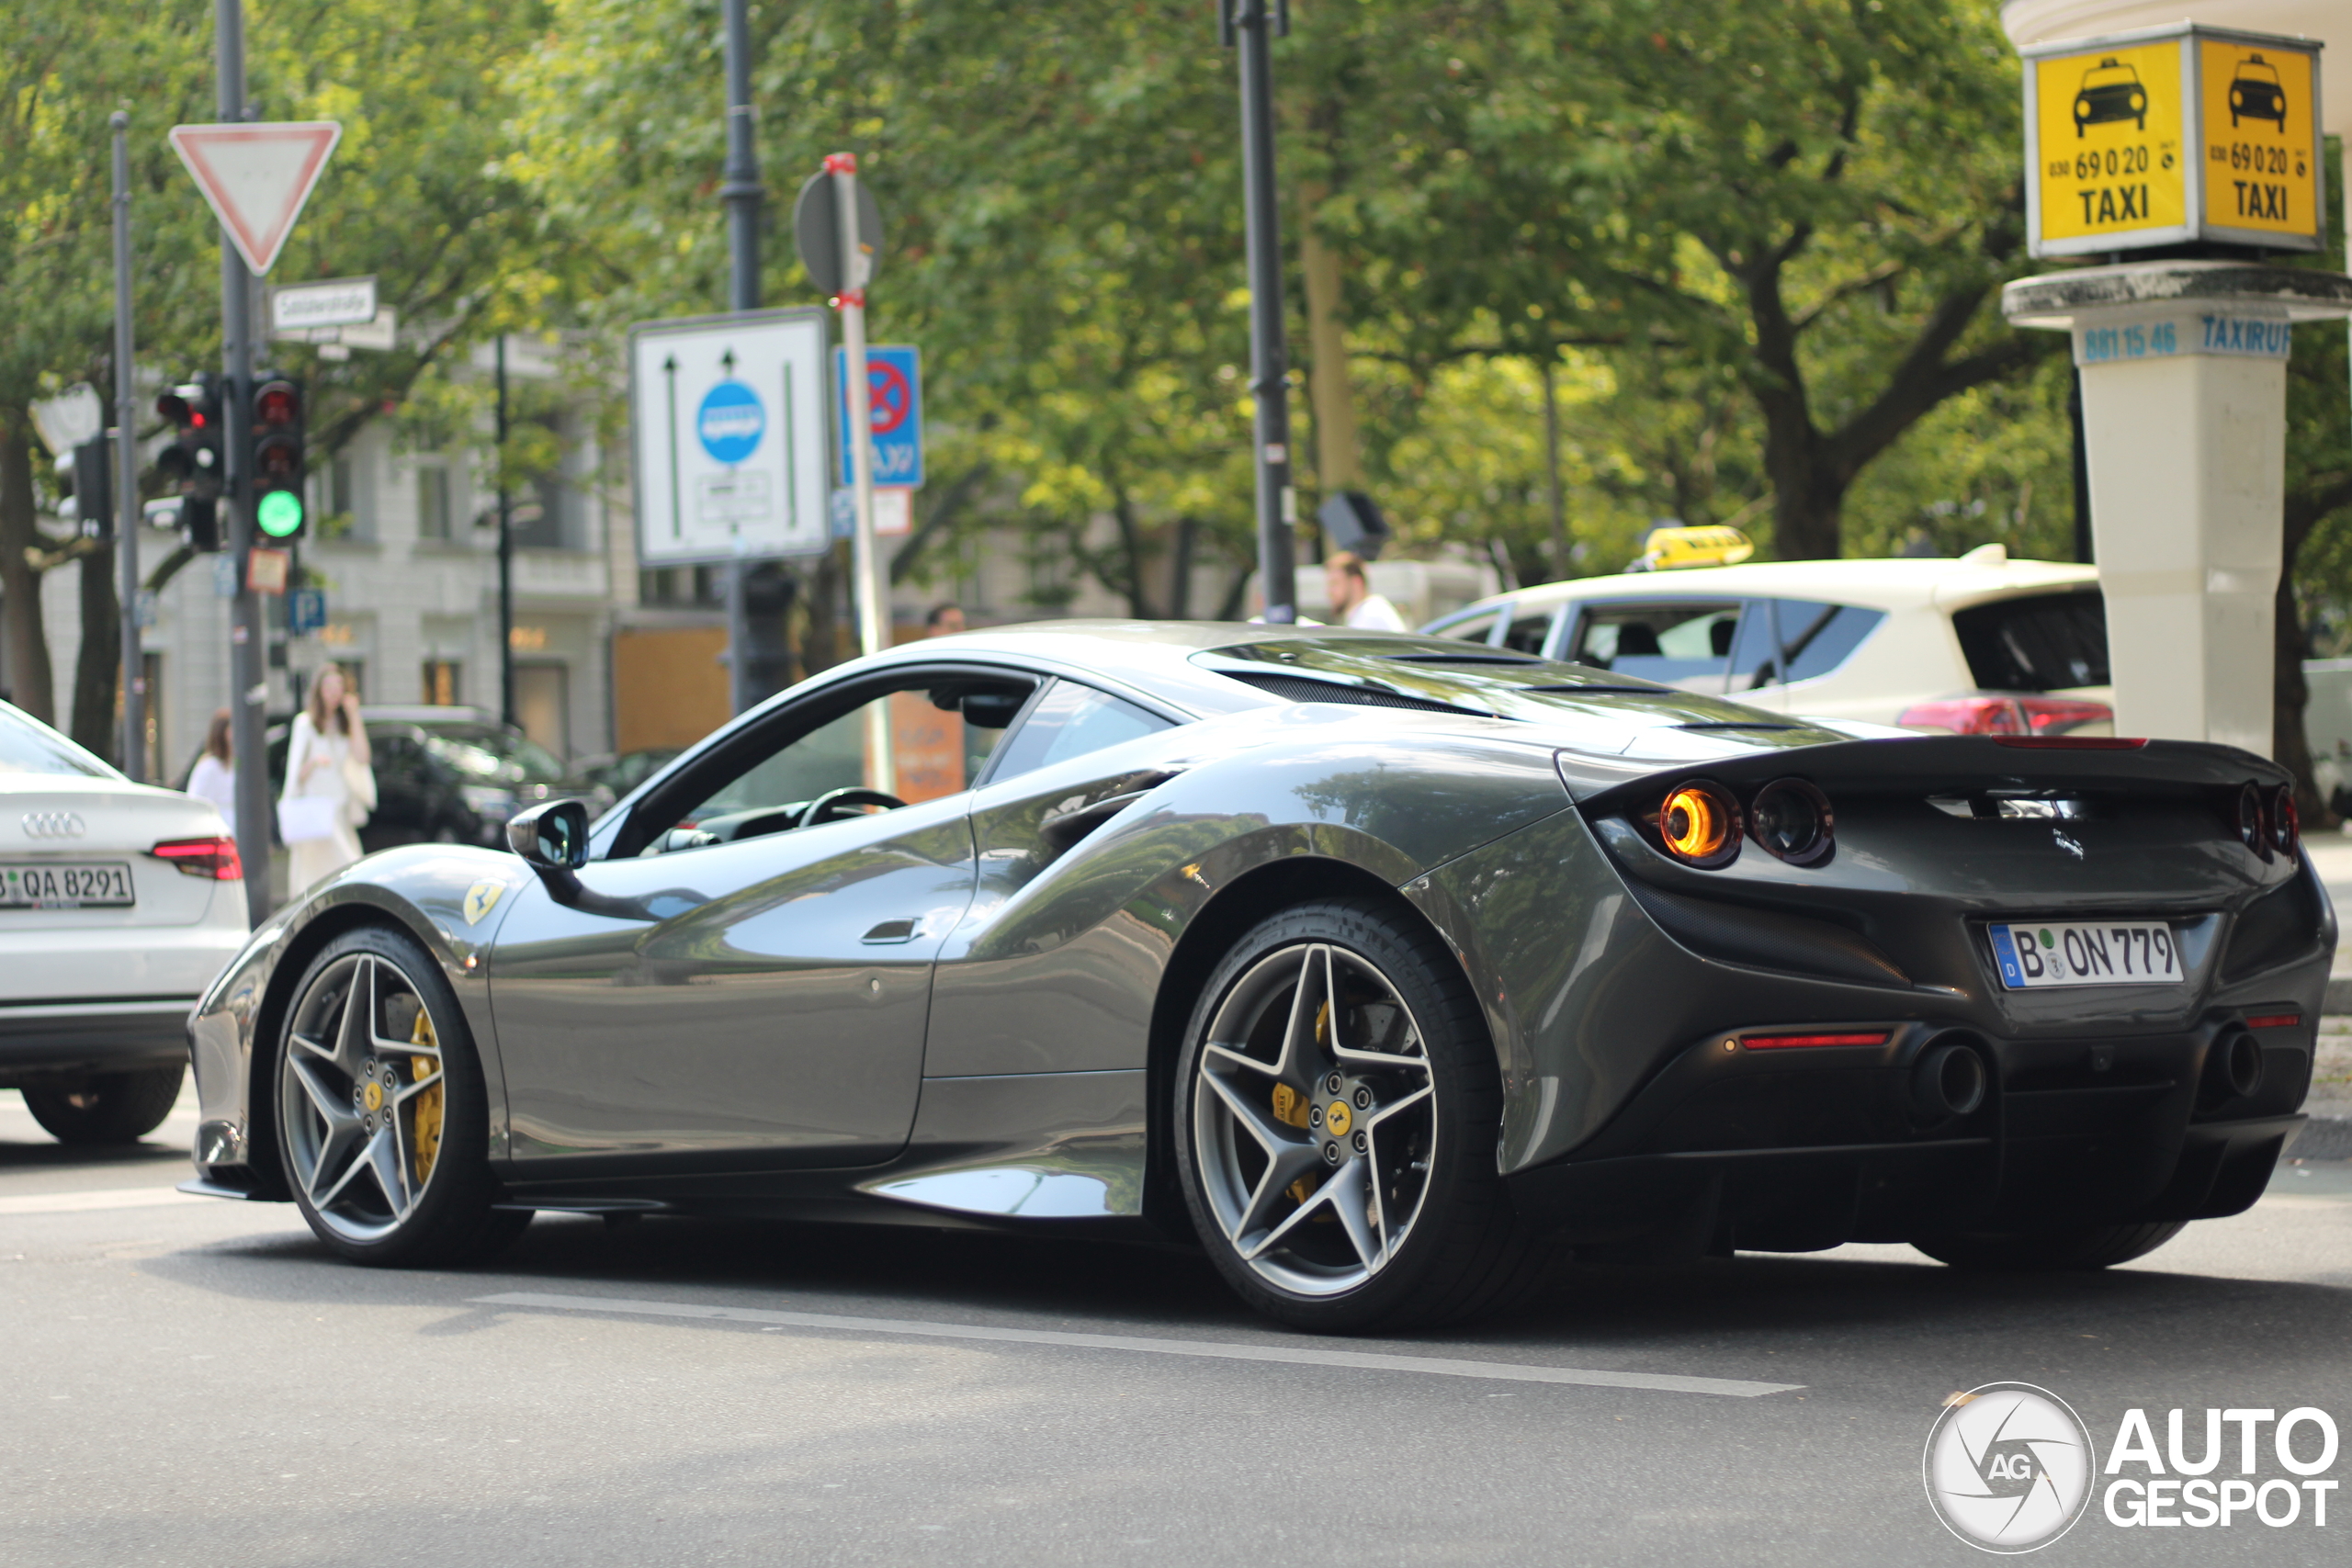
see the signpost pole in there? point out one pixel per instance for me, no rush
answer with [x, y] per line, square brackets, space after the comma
[859, 396]
[1256, 23]
[126, 468]
[249, 688]
[740, 195]
[505, 556]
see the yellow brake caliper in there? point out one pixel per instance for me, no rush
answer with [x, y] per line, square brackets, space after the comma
[1290, 1107]
[427, 1104]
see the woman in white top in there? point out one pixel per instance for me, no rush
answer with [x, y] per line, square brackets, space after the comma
[328, 761]
[214, 778]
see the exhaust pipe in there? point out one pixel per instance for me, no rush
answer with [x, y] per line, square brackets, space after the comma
[1948, 1080]
[2232, 1067]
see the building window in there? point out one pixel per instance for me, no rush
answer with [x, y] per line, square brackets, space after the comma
[543, 706]
[433, 510]
[442, 684]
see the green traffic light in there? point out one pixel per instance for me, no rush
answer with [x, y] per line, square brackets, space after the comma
[279, 513]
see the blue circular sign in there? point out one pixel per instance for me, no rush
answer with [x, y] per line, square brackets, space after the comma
[730, 422]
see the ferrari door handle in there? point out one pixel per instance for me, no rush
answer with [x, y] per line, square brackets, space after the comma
[890, 930]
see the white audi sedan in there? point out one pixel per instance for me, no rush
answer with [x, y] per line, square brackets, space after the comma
[118, 903]
[1982, 644]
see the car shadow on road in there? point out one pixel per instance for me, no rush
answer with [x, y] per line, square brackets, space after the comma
[1729, 1309]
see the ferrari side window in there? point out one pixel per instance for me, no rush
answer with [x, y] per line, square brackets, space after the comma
[1069, 721]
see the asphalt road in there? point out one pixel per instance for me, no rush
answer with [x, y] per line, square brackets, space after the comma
[194, 1381]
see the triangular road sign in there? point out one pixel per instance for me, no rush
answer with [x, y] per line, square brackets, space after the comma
[258, 177]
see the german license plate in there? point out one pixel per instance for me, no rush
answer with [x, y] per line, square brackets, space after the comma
[94, 885]
[2109, 953]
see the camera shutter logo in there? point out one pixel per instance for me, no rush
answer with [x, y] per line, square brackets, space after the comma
[54, 825]
[2008, 1467]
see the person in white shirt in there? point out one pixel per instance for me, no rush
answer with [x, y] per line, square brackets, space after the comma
[1353, 603]
[214, 778]
[327, 760]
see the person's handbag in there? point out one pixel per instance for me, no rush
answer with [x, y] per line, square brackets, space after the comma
[304, 819]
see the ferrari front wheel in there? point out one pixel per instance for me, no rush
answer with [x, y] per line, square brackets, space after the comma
[383, 1116]
[1337, 1102]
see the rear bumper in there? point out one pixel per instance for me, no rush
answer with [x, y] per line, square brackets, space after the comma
[42, 1038]
[1801, 1150]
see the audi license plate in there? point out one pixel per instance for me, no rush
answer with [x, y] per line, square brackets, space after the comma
[94, 886]
[2114, 953]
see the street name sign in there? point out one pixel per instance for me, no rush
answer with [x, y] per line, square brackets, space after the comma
[331, 302]
[895, 373]
[2172, 135]
[727, 417]
[258, 177]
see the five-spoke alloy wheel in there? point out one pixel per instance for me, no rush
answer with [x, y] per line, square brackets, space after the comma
[1335, 1125]
[383, 1115]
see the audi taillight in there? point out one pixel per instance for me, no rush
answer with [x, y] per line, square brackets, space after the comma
[214, 859]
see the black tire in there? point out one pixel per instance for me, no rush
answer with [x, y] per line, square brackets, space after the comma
[112, 1108]
[2085, 1247]
[441, 1214]
[1464, 1250]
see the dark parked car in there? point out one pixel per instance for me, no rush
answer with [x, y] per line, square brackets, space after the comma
[449, 780]
[2255, 93]
[2110, 93]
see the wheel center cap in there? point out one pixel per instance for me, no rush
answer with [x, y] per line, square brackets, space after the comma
[374, 1094]
[1339, 1118]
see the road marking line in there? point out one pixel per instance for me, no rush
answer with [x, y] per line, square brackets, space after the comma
[1212, 1349]
[84, 1203]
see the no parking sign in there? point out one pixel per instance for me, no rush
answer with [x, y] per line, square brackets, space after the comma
[895, 373]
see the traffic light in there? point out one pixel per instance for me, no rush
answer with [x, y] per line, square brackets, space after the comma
[86, 475]
[279, 511]
[194, 465]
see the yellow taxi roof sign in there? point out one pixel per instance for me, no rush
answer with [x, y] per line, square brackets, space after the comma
[1672, 549]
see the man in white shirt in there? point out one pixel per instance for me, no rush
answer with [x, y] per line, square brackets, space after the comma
[1353, 603]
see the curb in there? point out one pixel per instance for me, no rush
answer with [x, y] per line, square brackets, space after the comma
[2322, 1137]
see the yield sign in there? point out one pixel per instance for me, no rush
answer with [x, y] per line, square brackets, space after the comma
[258, 177]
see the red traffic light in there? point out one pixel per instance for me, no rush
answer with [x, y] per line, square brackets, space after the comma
[276, 403]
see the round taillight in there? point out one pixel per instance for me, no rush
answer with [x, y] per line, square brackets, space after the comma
[2286, 824]
[1699, 824]
[1792, 821]
[2252, 831]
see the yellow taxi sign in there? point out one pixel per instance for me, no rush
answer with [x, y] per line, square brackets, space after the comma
[2170, 135]
[1671, 549]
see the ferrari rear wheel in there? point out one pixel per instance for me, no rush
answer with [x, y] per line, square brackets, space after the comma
[383, 1117]
[2085, 1247]
[1337, 1105]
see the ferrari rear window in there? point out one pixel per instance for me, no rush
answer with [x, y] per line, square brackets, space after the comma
[30, 748]
[2042, 642]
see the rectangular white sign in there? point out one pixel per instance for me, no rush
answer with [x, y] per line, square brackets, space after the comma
[730, 431]
[333, 302]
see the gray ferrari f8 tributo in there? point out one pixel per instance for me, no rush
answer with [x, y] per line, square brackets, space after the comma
[1383, 968]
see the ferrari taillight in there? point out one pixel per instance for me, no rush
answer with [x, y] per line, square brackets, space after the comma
[215, 858]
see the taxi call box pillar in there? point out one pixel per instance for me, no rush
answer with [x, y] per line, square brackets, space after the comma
[2184, 374]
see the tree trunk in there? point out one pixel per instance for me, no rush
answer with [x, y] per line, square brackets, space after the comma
[97, 667]
[1338, 447]
[29, 685]
[2289, 694]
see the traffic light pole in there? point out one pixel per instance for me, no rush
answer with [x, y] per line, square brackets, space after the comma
[741, 194]
[249, 687]
[126, 469]
[1255, 24]
[505, 556]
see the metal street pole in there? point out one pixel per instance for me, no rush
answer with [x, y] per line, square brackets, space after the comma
[249, 686]
[740, 195]
[505, 556]
[126, 468]
[1255, 24]
[856, 267]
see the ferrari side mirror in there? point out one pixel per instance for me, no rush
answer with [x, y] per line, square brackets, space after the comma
[553, 835]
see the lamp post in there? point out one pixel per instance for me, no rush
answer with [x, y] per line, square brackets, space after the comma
[1253, 25]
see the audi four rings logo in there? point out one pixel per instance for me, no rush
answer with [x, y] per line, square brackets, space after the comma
[54, 825]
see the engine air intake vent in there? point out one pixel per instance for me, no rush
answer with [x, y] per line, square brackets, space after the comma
[1302, 688]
